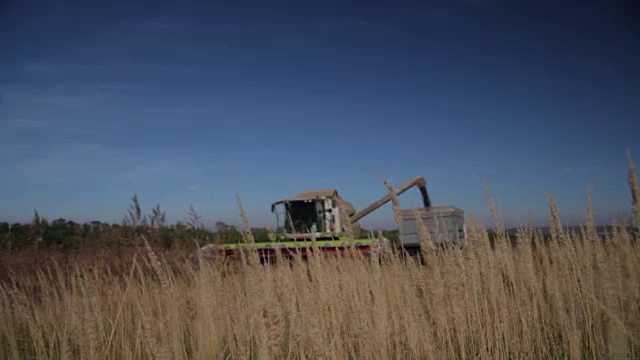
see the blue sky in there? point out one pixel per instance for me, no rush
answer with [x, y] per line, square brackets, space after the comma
[185, 103]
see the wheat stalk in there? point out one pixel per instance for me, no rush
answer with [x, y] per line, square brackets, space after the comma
[633, 186]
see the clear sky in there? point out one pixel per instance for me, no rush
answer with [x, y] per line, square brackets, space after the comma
[185, 103]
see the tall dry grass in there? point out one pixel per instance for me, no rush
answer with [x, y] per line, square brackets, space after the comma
[575, 296]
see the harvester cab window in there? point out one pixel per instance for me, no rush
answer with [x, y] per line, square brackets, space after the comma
[303, 215]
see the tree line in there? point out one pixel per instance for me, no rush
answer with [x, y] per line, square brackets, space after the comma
[65, 234]
[62, 233]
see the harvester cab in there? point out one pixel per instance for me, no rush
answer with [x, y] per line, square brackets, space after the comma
[317, 214]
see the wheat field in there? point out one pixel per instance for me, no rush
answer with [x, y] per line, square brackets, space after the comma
[572, 295]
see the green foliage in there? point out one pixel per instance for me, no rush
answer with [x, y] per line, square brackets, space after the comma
[66, 234]
[392, 235]
[4, 234]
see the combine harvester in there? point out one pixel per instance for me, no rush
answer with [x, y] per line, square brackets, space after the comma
[319, 215]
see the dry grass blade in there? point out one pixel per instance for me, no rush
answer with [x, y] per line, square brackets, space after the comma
[395, 204]
[247, 234]
[591, 221]
[635, 190]
[557, 232]
[495, 215]
[156, 264]
[119, 312]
